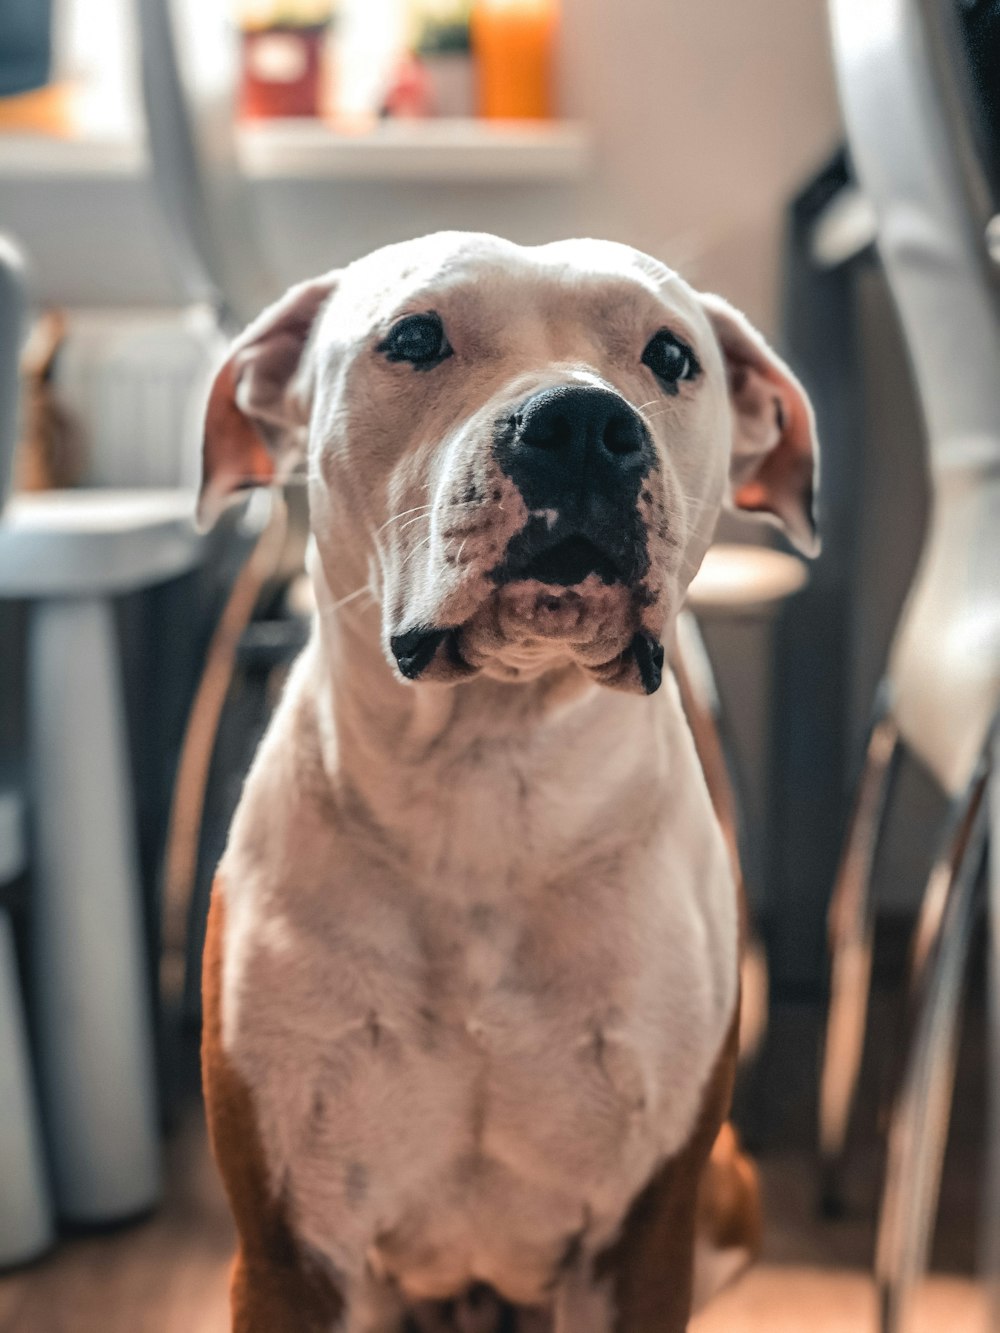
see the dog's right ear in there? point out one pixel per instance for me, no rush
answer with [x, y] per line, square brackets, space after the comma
[257, 417]
[775, 455]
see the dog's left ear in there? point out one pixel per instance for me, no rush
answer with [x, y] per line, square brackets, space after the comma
[775, 458]
[257, 418]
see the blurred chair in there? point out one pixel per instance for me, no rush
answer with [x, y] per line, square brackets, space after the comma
[25, 1211]
[991, 1237]
[743, 582]
[189, 80]
[910, 120]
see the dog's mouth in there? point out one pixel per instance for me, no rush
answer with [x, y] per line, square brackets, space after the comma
[568, 562]
[564, 555]
[560, 594]
[640, 663]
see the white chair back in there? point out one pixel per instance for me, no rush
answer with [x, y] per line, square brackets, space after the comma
[910, 150]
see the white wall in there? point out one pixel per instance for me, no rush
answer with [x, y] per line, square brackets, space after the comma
[705, 114]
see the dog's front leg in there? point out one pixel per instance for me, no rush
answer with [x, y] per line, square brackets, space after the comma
[285, 1296]
[642, 1284]
[277, 1285]
[646, 1277]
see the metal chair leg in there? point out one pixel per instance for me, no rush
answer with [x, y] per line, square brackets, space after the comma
[851, 930]
[700, 698]
[991, 1217]
[703, 709]
[919, 1128]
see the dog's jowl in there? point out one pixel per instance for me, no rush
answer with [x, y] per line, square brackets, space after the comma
[472, 987]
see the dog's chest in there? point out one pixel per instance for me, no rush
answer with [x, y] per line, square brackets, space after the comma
[459, 1089]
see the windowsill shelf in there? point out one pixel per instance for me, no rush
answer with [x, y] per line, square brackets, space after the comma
[413, 150]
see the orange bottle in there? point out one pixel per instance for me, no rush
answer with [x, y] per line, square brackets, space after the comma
[514, 46]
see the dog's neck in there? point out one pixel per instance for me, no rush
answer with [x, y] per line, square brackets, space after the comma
[369, 717]
[445, 769]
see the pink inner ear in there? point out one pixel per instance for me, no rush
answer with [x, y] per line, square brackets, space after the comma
[235, 456]
[760, 417]
[774, 452]
[773, 470]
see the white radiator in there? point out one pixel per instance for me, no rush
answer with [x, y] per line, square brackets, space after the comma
[137, 383]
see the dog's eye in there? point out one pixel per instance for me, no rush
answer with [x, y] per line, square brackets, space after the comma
[669, 359]
[419, 339]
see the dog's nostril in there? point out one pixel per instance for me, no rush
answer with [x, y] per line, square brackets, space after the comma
[622, 435]
[550, 432]
[571, 423]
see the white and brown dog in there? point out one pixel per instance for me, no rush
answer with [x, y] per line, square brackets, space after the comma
[471, 983]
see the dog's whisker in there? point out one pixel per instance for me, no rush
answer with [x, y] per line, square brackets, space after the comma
[396, 517]
[424, 511]
[351, 597]
[420, 518]
[428, 516]
[420, 546]
[662, 410]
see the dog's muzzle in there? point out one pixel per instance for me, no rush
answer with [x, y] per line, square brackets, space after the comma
[575, 571]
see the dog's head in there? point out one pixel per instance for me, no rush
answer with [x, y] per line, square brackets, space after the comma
[522, 451]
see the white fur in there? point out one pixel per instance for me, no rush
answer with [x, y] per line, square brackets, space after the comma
[509, 1033]
[481, 940]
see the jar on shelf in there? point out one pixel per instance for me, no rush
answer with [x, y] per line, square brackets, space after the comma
[514, 46]
[284, 67]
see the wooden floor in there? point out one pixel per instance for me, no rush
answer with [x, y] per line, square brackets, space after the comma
[163, 1275]
[168, 1274]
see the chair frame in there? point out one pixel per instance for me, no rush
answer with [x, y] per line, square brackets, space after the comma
[914, 150]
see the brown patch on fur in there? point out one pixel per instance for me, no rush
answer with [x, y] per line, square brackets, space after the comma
[651, 1264]
[276, 1287]
[729, 1208]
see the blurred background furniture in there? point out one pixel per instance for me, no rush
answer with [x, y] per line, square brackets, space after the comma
[991, 1236]
[741, 582]
[916, 133]
[26, 1227]
[68, 554]
[736, 583]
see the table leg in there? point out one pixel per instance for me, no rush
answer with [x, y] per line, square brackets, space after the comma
[25, 1220]
[92, 1000]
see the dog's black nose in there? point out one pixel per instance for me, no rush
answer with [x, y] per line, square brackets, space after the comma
[572, 440]
[578, 456]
